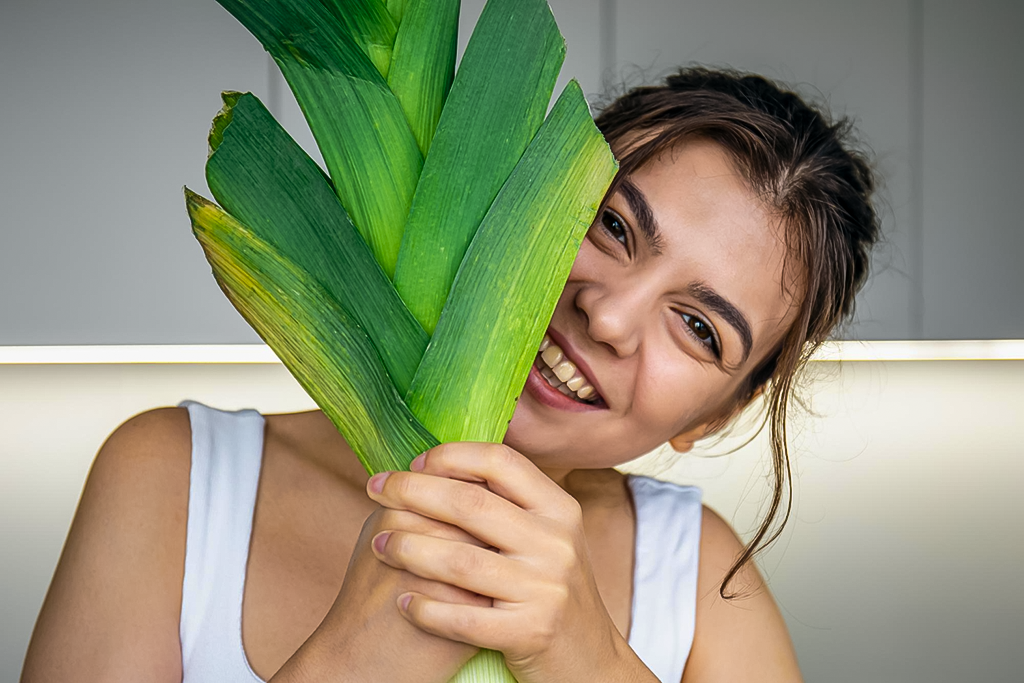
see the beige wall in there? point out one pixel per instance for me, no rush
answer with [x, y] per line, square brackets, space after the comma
[900, 562]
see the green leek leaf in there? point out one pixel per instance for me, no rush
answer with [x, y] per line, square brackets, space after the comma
[264, 179]
[316, 339]
[494, 220]
[509, 282]
[423, 63]
[397, 9]
[496, 104]
[358, 123]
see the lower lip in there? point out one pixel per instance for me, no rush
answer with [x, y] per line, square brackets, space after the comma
[543, 392]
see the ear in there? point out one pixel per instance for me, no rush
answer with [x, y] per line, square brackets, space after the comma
[684, 441]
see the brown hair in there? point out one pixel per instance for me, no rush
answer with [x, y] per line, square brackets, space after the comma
[806, 169]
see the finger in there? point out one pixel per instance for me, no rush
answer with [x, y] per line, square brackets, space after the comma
[458, 564]
[476, 510]
[387, 519]
[445, 592]
[483, 627]
[507, 472]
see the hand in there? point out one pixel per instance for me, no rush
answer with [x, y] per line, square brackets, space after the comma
[364, 637]
[547, 615]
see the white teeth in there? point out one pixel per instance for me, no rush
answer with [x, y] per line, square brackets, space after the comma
[564, 370]
[561, 373]
[552, 355]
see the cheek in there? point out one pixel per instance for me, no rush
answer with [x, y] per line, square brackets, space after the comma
[675, 397]
[587, 265]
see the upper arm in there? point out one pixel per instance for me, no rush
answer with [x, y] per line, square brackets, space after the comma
[743, 639]
[113, 607]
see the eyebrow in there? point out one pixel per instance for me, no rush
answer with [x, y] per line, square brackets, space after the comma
[641, 209]
[720, 305]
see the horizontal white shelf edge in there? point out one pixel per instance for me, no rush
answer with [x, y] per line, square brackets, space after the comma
[997, 349]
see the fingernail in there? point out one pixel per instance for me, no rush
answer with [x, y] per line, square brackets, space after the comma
[403, 601]
[417, 464]
[376, 484]
[380, 541]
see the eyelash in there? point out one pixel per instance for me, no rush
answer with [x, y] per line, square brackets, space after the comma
[623, 236]
[711, 342]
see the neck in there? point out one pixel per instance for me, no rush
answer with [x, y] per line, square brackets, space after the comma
[559, 476]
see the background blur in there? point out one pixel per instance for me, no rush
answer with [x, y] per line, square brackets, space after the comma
[901, 560]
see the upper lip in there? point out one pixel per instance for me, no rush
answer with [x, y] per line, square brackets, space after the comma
[572, 356]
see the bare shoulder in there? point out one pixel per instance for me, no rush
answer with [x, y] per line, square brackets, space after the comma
[112, 609]
[743, 638]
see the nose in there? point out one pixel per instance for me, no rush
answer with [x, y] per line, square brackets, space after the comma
[613, 316]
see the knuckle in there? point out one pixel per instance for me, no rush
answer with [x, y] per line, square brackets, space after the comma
[403, 488]
[452, 533]
[463, 625]
[537, 639]
[560, 598]
[470, 502]
[464, 564]
[544, 633]
[411, 521]
[447, 593]
[398, 485]
[440, 453]
[503, 456]
[388, 519]
[504, 459]
[564, 558]
[571, 512]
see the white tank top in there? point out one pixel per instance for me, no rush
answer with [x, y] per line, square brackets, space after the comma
[227, 452]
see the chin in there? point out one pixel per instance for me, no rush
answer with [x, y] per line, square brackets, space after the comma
[551, 446]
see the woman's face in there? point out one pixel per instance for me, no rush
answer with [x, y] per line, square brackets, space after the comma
[676, 295]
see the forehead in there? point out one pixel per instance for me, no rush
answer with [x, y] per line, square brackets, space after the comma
[715, 230]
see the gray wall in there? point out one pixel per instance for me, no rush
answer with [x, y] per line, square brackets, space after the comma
[105, 105]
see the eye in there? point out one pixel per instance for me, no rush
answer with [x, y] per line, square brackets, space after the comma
[701, 331]
[615, 227]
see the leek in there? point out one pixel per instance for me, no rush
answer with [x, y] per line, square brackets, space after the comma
[407, 288]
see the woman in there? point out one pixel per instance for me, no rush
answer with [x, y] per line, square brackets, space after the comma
[731, 243]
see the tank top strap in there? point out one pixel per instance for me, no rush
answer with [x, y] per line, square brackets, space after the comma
[668, 525]
[227, 452]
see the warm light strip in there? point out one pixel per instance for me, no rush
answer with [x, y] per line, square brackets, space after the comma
[999, 349]
[131, 354]
[934, 350]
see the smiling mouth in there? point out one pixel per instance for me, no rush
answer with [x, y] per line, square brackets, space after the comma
[563, 375]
